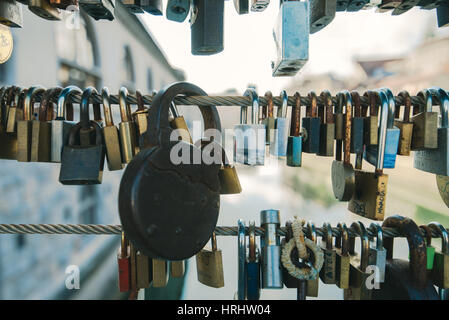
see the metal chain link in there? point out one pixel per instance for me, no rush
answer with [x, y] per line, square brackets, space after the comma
[117, 229]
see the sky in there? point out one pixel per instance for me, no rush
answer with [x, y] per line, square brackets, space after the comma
[249, 45]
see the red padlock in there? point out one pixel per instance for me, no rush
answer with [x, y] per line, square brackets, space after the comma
[124, 265]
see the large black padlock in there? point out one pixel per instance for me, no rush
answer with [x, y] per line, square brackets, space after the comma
[406, 280]
[169, 209]
[83, 157]
[206, 26]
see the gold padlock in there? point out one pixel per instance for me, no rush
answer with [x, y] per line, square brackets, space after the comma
[209, 265]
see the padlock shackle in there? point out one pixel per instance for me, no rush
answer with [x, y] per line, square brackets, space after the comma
[159, 128]
[125, 108]
[252, 93]
[443, 100]
[328, 114]
[30, 96]
[359, 228]
[407, 104]
[84, 107]
[391, 107]
[174, 110]
[312, 231]
[384, 111]
[312, 107]
[270, 104]
[377, 229]
[140, 103]
[327, 237]
[77, 127]
[342, 241]
[7, 96]
[426, 95]
[347, 100]
[46, 101]
[427, 234]
[295, 121]
[64, 106]
[108, 118]
[252, 241]
[213, 241]
[241, 242]
[373, 104]
[438, 227]
[282, 110]
[416, 244]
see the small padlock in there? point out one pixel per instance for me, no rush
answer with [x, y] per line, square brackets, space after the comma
[142, 271]
[357, 273]
[252, 265]
[24, 127]
[140, 117]
[391, 138]
[440, 272]
[41, 130]
[177, 10]
[342, 259]
[405, 126]
[328, 271]
[241, 262]
[99, 9]
[294, 142]
[178, 122]
[327, 127]
[371, 120]
[111, 135]
[14, 112]
[405, 6]
[425, 125]
[378, 254]
[322, 12]
[271, 250]
[43, 9]
[83, 157]
[342, 172]
[311, 126]
[278, 144]
[206, 27]
[313, 284]
[209, 265]
[124, 267]
[127, 129]
[437, 160]
[291, 36]
[11, 14]
[229, 179]
[177, 269]
[8, 141]
[62, 125]
[357, 125]
[443, 15]
[160, 275]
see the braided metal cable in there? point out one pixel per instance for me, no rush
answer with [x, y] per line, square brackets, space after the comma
[117, 229]
[230, 100]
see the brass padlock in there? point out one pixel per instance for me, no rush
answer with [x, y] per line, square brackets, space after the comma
[425, 125]
[44, 9]
[229, 180]
[140, 117]
[342, 259]
[111, 135]
[126, 128]
[312, 285]
[179, 123]
[405, 126]
[328, 271]
[160, 276]
[370, 125]
[13, 112]
[8, 141]
[209, 265]
[142, 271]
[177, 269]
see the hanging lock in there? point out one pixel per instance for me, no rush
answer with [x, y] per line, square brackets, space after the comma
[311, 126]
[209, 265]
[443, 15]
[43, 9]
[405, 126]
[357, 125]
[291, 36]
[268, 119]
[252, 265]
[328, 271]
[370, 136]
[378, 254]
[425, 124]
[9, 140]
[178, 122]
[342, 259]
[327, 126]
[271, 250]
[356, 5]
[322, 12]
[99, 9]
[278, 144]
[64, 4]
[10, 15]
[206, 27]
[241, 262]
[177, 10]
[111, 135]
[127, 128]
[294, 141]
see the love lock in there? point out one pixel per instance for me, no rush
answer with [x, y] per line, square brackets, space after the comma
[169, 210]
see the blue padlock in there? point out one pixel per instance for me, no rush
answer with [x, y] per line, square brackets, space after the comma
[278, 144]
[437, 160]
[386, 127]
[294, 142]
[252, 265]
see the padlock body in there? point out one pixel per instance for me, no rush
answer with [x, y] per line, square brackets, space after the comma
[443, 15]
[322, 12]
[405, 138]
[12, 118]
[369, 199]
[229, 180]
[60, 130]
[378, 257]
[112, 144]
[327, 135]
[177, 269]
[177, 10]
[371, 130]
[269, 124]
[328, 271]
[209, 266]
[357, 132]
[8, 141]
[391, 149]
[294, 151]
[207, 27]
[425, 131]
[40, 141]
[291, 36]
[43, 9]
[312, 287]
[142, 271]
[82, 165]
[271, 269]
[181, 124]
[98, 9]
[435, 160]
[24, 140]
[278, 145]
[311, 143]
[440, 272]
[160, 276]
[11, 14]
[124, 277]
[253, 280]
[339, 126]
[342, 263]
[127, 141]
[249, 144]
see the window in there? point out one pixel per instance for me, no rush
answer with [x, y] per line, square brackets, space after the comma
[77, 51]
[127, 72]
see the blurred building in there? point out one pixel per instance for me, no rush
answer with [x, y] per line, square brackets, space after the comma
[80, 52]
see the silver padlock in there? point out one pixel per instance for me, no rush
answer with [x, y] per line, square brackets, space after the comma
[322, 12]
[437, 160]
[11, 14]
[249, 139]
[278, 143]
[271, 250]
[291, 36]
[177, 10]
[378, 255]
[99, 9]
